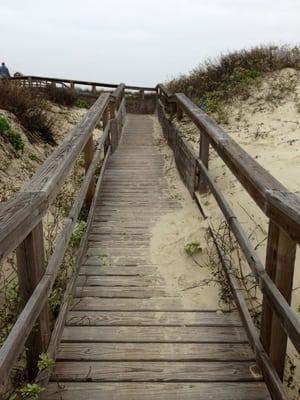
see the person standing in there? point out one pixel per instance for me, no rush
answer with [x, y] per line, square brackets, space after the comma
[4, 72]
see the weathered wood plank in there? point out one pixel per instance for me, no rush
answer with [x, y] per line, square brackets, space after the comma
[156, 304]
[31, 267]
[154, 391]
[154, 334]
[156, 352]
[119, 292]
[158, 318]
[107, 371]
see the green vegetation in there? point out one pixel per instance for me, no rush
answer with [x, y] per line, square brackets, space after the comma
[213, 82]
[30, 109]
[65, 97]
[33, 157]
[192, 248]
[28, 392]
[77, 234]
[80, 103]
[13, 137]
[45, 362]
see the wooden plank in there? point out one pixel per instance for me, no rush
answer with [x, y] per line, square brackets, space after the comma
[154, 391]
[115, 281]
[155, 352]
[119, 292]
[30, 268]
[280, 266]
[159, 318]
[284, 208]
[141, 270]
[152, 334]
[88, 158]
[107, 371]
[156, 304]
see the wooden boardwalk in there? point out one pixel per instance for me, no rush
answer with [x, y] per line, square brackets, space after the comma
[124, 337]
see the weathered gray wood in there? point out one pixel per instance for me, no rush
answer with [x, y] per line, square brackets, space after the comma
[151, 334]
[154, 391]
[78, 82]
[254, 178]
[272, 379]
[287, 316]
[30, 268]
[284, 208]
[203, 155]
[119, 292]
[280, 266]
[162, 304]
[45, 184]
[155, 352]
[159, 318]
[107, 371]
[88, 157]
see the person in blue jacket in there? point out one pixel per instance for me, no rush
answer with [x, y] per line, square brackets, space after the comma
[4, 72]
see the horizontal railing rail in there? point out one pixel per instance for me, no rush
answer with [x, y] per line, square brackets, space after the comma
[21, 226]
[72, 82]
[275, 278]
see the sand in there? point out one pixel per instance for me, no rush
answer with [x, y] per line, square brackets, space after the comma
[182, 274]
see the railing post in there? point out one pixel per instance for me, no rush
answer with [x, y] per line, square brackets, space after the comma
[280, 263]
[30, 268]
[72, 86]
[94, 89]
[179, 113]
[142, 94]
[204, 156]
[88, 157]
[105, 119]
[112, 109]
[30, 82]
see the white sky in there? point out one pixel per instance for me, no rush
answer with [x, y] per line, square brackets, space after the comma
[136, 41]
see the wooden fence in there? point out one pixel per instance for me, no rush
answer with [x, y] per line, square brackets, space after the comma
[22, 229]
[275, 278]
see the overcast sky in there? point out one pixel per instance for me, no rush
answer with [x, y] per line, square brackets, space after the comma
[136, 41]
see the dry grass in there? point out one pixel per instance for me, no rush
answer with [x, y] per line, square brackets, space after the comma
[30, 108]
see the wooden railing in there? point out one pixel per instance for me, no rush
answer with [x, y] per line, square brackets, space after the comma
[22, 229]
[41, 81]
[275, 278]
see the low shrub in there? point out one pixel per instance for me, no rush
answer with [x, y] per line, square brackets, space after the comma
[30, 108]
[232, 74]
[13, 137]
[63, 96]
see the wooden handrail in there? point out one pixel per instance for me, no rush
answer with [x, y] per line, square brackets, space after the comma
[279, 320]
[20, 216]
[79, 82]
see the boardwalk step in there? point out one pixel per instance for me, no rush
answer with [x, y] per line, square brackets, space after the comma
[155, 352]
[149, 318]
[154, 391]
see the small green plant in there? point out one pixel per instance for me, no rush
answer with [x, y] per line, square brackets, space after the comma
[55, 299]
[192, 248]
[77, 234]
[81, 103]
[33, 157]
[13, 137]
[28, 392]
[45, 362]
